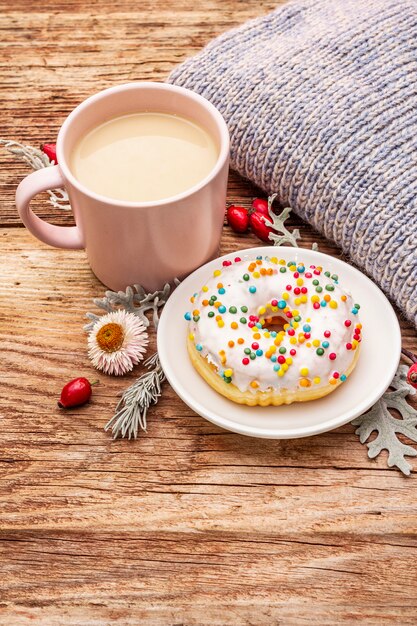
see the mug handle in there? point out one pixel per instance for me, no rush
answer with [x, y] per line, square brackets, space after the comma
[58, 236]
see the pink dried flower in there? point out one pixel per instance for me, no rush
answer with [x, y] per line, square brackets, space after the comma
[117, 342]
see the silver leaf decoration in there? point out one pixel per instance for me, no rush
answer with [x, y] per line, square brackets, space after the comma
[131, 411]
[380, 419]
[134, 300]
[38, 160]
[132, 408]
[282, 234]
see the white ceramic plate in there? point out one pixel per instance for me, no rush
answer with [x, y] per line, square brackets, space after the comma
[378, 361]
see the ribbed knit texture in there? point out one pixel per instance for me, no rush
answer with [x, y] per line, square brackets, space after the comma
[320, 98]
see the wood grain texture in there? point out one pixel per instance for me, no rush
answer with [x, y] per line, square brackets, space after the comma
[190, 524]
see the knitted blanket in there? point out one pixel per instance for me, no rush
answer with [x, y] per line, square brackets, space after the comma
[320, 97]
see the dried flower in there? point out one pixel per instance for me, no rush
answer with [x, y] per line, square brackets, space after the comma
[117, 342]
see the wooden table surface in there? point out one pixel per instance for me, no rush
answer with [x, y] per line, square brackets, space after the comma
[189, 524]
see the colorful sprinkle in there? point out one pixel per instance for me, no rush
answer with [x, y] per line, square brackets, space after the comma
[297, 326]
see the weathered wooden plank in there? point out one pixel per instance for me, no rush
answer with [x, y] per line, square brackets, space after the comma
[190, 524]
[186, 577]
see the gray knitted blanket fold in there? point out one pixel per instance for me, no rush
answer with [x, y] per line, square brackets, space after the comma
[320, 97]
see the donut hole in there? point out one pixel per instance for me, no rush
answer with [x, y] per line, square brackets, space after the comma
[274, 323]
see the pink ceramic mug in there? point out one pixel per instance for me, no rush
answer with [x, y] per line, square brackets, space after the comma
[149, 243]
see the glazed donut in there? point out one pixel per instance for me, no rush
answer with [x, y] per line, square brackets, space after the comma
[266, 331]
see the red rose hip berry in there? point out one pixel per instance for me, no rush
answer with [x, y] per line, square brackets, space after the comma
[238, 218]
[260, 205]
[75, 393]
[259, 225]
[412, 376]
[50, 150]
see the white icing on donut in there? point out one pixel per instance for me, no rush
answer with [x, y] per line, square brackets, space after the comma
[333, 328]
